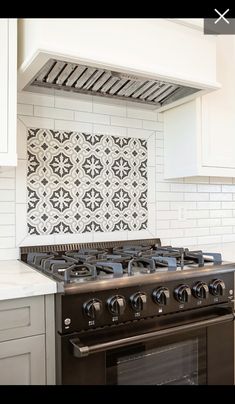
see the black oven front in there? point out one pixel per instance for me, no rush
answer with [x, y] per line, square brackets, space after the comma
[188, 348]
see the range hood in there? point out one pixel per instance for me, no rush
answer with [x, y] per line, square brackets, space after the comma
[85, 79]
[156, 63]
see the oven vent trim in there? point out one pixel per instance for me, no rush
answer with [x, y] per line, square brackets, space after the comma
[85, 79]
[98, 244]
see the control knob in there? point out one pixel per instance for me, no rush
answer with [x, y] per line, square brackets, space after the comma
[92, 308]
[138, 301]
[161, 296]
[217, 287]
[116, 305]
[183, 293]
[201, 290]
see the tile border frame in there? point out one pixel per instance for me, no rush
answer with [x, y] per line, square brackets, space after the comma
[22, 237]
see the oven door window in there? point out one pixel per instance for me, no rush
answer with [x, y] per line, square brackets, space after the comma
[174, 361]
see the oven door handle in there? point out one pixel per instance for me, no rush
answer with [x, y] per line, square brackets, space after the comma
[80, 350]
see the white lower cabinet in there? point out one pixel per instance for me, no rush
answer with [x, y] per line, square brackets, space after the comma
[27, 347]
[22, 361]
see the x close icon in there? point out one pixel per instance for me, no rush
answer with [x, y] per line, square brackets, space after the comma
[221, 16]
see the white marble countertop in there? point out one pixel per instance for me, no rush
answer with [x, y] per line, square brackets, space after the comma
[17, 279]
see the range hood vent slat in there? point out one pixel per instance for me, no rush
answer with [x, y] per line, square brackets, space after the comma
[146, 86]
[75, 75]
[102, 80]
[92, 80]
[55, 71]
[109, 84]
[65, 73]
[84, 77]
[45, 70]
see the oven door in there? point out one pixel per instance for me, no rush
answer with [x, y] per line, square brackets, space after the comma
[190, 352]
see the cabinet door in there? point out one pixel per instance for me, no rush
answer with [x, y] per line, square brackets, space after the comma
[22, 361]
[8, 90]
[218, 112]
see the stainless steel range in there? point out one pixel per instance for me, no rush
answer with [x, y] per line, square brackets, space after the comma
[136, 312]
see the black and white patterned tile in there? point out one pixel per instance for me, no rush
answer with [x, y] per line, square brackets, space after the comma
[81, 182]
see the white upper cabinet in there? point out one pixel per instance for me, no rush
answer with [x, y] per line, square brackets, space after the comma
[200, 135]
[8, 91]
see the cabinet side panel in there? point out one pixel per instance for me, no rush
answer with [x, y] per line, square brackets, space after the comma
[180, 140]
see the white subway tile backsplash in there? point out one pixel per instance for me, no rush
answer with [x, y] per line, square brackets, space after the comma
[228, 205]
[111, 107]
[7, 218]
[159, 143]
[7, 231]
[7, 195]
[162, 187]
[197, 196]
[7, 172]
[170, 233]
[208, 222]
[73, 126]
[183, 204]
[228, 221]
[37, 122]
[162, 224]
[25, 97]
[183, 188]
[169, 196]
[197, 232]
[7, 207]
[209, 239]
[127, 122]
[221, 213]
[109, 130]
[140, 133]
[21, 183]
[221, 230]
[90, 117]
[54, 113]
[153, 125]
[208, 205]
[183, 241]
[160, 117]
[24, 109]
[228, 188]
[208, 188]
[227, 238]
[167, 214]
[161, 206]
[142, 113]
[7, 183]
[221, 196]
[183, 224]
[159, 135]
[197, 214]
[72, 101]
[7, 242]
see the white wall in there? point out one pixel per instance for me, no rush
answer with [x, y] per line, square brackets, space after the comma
[194, 211]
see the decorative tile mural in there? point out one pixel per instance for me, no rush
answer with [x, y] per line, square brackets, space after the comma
[81, 182]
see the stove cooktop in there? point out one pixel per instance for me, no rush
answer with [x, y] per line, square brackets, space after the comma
[90, 264]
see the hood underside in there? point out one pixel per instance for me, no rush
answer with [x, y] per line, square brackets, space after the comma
[67, 76]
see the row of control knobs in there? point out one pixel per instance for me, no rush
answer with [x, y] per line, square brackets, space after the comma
[116, 304]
